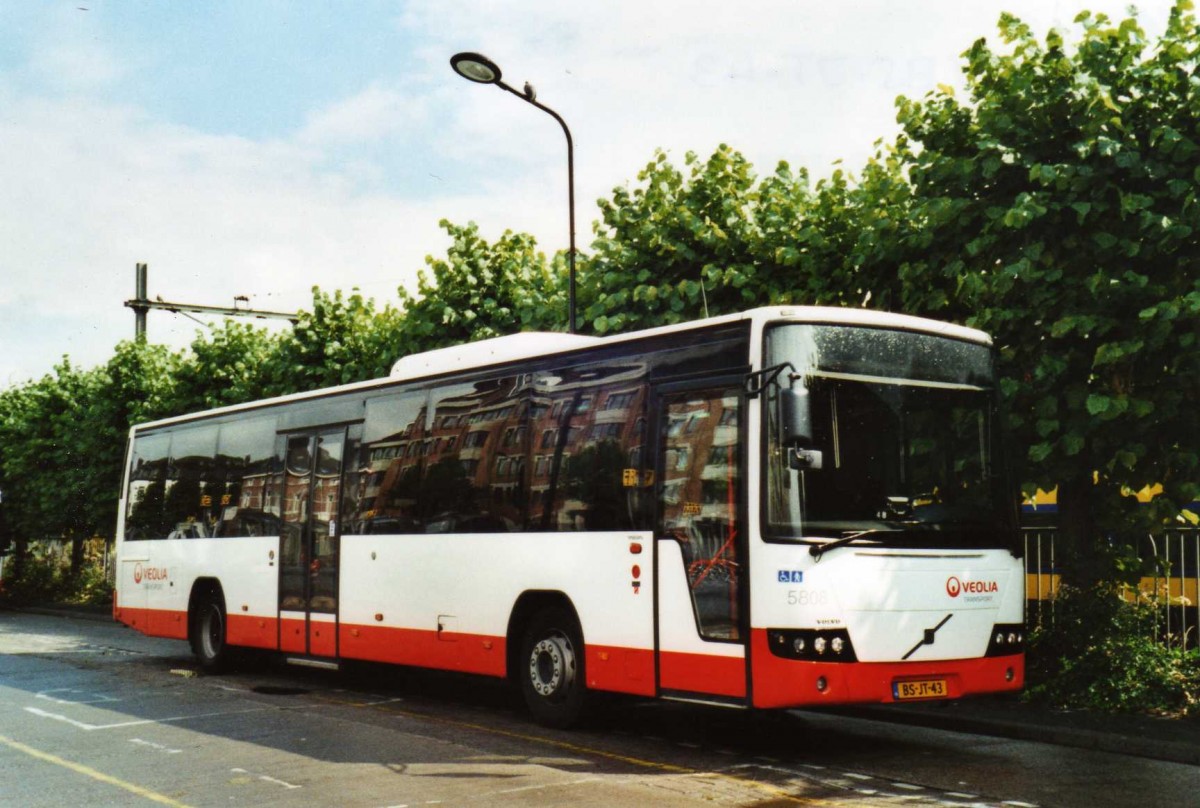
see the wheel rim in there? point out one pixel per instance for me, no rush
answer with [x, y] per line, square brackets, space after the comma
[212, 633]
[552, 666]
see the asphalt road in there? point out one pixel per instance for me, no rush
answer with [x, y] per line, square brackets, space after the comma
[95, 714]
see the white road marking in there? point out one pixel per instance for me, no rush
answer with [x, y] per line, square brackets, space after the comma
[154, 745]
[96, 698]
[267, 779]
[83, 725]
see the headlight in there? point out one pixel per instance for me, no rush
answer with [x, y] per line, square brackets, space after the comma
[1006, 640]
[827, 645]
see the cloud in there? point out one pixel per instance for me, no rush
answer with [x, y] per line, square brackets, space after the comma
[97, 178]
[100, 187]
[373, 114]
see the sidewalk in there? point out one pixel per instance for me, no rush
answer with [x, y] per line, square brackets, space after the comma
[1170, 739]
[101, 614]
[1173, 740]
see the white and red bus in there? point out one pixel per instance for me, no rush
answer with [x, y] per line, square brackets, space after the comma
[785, 507]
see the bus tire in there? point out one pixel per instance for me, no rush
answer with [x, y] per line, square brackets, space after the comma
[551, 668]
[210, 646]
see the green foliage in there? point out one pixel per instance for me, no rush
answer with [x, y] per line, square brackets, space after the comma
[1054, 207]
[1099, 652]
[675, 248]
[62, 438]
[90, 586]
[483, 290]
[40, 581]
[45, 454]
[45, 578]
[1057, 210]
[231, 364]
[342, 340]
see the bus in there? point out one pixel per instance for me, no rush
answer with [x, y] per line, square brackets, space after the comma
[780, 508]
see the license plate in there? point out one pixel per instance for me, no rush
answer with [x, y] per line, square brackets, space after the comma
[920, 689]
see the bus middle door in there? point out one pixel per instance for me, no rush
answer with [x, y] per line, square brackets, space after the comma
[309, 539]
[702, 626]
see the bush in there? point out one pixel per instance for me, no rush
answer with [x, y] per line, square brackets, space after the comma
[91, 586]
[45, 578]
[1101, 652]
[40, 579]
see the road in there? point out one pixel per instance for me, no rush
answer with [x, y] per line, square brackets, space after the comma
[93, 714]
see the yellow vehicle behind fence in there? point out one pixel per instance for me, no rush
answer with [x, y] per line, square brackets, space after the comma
[1172, 554]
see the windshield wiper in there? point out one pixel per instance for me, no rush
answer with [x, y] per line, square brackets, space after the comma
[817, 550]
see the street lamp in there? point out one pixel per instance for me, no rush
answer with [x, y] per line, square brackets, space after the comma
[478, 68]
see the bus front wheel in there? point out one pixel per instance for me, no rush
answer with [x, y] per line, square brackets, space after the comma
[551, 671]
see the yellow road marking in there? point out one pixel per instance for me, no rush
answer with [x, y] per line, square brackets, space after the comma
[587, 750]
[90, 772]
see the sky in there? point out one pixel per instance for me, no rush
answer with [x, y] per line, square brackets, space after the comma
[261, 147]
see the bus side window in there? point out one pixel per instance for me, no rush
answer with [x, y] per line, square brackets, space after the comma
[192, 483]
[245, 455]
[383, 465]
[147, 485]
[588, 434]
[475, 475]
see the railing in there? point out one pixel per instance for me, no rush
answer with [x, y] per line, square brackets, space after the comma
[1174, 583]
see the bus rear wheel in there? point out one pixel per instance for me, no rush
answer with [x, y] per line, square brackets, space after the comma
[208, 640]
[551, 669]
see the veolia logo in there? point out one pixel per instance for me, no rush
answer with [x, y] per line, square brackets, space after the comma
[149, 573]
[954, 586]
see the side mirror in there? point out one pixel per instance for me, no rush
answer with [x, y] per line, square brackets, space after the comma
[796, 417]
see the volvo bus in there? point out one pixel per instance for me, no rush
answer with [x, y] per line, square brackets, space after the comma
[774, 509]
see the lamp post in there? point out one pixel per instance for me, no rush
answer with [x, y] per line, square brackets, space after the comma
[482, 70]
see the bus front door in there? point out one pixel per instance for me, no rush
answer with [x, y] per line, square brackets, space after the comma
[308, 547]
[702, 626]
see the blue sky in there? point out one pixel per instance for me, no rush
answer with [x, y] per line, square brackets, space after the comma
[262, 148]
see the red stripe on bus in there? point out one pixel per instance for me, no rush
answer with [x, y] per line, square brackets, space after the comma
[703, 673]
[251, 631]
[322, 639]
[468, 653]
[610, 668]
[154, 622]
[620, 670]
[291, 635]
[780, 682]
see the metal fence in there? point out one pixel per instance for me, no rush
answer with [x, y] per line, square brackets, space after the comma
[1173, 581]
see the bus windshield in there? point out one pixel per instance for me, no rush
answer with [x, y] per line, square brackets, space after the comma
[903, 446]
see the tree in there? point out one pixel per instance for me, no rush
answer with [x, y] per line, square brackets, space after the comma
[1058, 211]
[719, 239]
[676, 247]
[49, 462]
[483, 290]
[343, 339]
[230, 364]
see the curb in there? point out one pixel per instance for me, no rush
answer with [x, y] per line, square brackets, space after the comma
[65, 613]
[1136, 745]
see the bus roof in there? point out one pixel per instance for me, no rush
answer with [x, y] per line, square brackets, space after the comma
[534, 344]
[493, 351]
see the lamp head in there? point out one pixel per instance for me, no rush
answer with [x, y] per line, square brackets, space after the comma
[475, 67]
